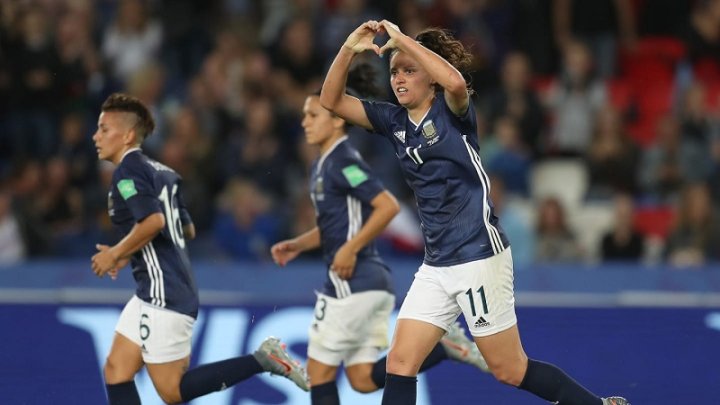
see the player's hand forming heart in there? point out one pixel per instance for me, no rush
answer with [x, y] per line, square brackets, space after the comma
[362, 38]
[393, 31]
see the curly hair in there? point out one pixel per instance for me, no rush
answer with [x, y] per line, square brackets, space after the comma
[448, 47]
[121, 102]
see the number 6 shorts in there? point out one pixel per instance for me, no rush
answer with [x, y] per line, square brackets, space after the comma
[350, 330]
[163, 335]
[482, 290]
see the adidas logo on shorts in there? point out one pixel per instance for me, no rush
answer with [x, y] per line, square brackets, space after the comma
[481, 323]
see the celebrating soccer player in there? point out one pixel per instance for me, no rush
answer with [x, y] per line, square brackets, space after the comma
[467, 266]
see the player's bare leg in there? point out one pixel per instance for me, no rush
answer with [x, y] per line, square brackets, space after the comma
[360, 378]
[166, 378]
[504, 355]
[412, 342]
[323, 387]
[123, 362]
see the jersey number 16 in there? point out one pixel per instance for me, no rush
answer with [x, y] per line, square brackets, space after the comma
[172, 216]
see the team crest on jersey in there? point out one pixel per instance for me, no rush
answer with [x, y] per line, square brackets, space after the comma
[111, 209]
[400, 135]
[430, 132]
[319, 194]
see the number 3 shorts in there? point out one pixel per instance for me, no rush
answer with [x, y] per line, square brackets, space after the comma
[482, 290]
[350, 330]
[163, 335]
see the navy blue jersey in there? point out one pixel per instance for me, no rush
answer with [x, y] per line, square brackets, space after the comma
[439, 160]
[142, 187]
[341, 188]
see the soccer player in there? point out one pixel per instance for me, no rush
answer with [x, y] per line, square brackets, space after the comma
[352, 312]
[467, 266]
[146, 207]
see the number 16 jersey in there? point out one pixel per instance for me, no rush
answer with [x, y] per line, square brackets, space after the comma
[161, 268]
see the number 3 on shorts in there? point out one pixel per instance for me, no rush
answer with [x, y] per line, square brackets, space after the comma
[320, 309]
[471, 298]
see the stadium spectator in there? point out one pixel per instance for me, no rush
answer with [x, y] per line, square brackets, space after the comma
[702, 33]
[12, 243]
[133, 39]
[245, 225]
[511, 160]
[664, 165]
[611, 156]
[297, 63]
[623, 242]
[515, 98]
[573, 102]
[695, 237]
[36, 86]
[601, 24]
[515, 222]
[555, 241]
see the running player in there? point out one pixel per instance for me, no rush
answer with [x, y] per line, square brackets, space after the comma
[154, 329]
[353, 310]
[467, 266]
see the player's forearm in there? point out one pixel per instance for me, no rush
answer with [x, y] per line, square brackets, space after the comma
[309, 240]
[333, 88]
[385, 207]
[140, 235]
[438, 68]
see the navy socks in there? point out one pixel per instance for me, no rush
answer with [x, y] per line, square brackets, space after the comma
[217, 376]
[122, 394]
[325, 394]
[399, 390]
[552, 384]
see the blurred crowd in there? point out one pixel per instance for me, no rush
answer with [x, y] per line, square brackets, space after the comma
[599, 119]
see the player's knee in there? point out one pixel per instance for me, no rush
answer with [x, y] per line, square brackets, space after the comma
[508, 374]
[114, 371]
[402, 363]
[363, 384]
[170, 395]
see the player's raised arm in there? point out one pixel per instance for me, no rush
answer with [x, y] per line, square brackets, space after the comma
[333, 96]
[440, 70]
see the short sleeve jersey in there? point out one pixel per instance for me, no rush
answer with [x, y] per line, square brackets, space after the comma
[140, 188]
[440, 162]
[341, 188]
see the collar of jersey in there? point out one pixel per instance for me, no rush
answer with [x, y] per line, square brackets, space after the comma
[329, 151]
[421, 119]
[129, 151]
